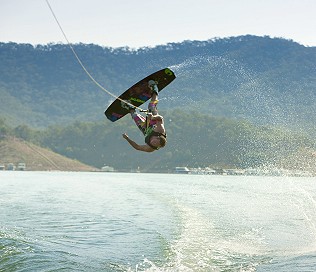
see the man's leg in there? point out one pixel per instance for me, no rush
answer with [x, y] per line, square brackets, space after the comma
[139, 120]
[152, 106]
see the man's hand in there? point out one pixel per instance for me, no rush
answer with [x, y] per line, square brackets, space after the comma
[145, 148]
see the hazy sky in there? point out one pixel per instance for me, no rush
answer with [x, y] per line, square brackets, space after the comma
[137, 23]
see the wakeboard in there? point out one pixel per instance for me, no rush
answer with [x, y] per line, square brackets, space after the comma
[138, 94]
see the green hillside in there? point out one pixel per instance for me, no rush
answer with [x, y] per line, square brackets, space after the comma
[243, 101]
[265, 80]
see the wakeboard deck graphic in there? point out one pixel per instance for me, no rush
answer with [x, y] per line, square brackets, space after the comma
[139, 93]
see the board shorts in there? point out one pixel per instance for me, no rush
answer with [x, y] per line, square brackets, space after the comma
[140, 120]
[141, 123]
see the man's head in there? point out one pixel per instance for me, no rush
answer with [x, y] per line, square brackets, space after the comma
[158, 141]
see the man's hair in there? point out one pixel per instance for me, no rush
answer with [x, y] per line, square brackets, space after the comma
[163, 140]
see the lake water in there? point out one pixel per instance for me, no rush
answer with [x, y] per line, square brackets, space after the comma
[62, 221]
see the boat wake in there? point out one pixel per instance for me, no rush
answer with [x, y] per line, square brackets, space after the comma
[202, 246]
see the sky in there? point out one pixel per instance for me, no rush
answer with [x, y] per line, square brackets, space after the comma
[139, 23]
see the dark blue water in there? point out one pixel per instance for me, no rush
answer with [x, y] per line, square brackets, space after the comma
[55, 221]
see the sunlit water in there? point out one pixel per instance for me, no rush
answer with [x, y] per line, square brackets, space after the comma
[56, 221]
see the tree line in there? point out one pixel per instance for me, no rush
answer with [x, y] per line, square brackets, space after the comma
[194, 140]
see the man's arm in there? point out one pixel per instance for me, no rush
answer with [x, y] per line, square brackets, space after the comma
[145, 148]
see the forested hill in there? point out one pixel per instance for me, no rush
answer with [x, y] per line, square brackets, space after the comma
[263, 79]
